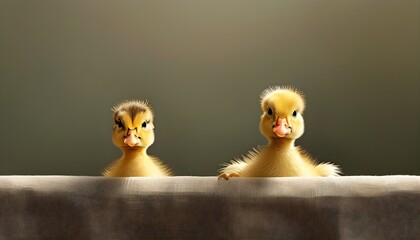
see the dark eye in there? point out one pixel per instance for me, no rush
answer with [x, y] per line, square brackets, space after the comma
[294, 113]
[269, 111]
[144, 124]
[119, 123]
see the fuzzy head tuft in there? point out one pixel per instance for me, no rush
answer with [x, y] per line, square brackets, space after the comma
[134, 106]
[290, 90]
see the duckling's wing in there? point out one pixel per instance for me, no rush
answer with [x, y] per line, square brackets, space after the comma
[235, 166]
[110, 170]
[238, 165]
[328, 170]
[161, 168]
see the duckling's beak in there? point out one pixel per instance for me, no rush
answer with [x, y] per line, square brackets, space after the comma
[132, 139]
[281, 128]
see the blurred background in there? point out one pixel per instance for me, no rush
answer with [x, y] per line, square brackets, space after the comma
[202, 65]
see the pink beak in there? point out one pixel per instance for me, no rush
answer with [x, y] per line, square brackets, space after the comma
[282, 127]
[131, 139]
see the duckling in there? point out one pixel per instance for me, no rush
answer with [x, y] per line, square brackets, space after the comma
[281, 123]
[133, 133]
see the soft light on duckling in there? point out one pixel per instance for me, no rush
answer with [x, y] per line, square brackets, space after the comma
[281, 123]
[133, 133]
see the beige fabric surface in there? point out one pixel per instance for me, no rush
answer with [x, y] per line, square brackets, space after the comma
[75, 207]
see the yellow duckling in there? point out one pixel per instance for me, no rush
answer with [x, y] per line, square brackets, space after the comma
[133, 133]
[281, 123]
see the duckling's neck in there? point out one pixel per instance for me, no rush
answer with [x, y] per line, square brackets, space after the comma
[135, 152]
[282, 144]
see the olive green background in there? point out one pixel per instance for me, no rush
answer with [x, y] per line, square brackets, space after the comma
[202, 65]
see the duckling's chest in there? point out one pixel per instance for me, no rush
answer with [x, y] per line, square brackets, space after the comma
[139, 166]
[278, 163]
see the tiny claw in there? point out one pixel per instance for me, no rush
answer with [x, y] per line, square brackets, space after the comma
[227, 176]
[223, 175]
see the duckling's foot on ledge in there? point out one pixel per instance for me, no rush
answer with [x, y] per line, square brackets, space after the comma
[227, 176]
